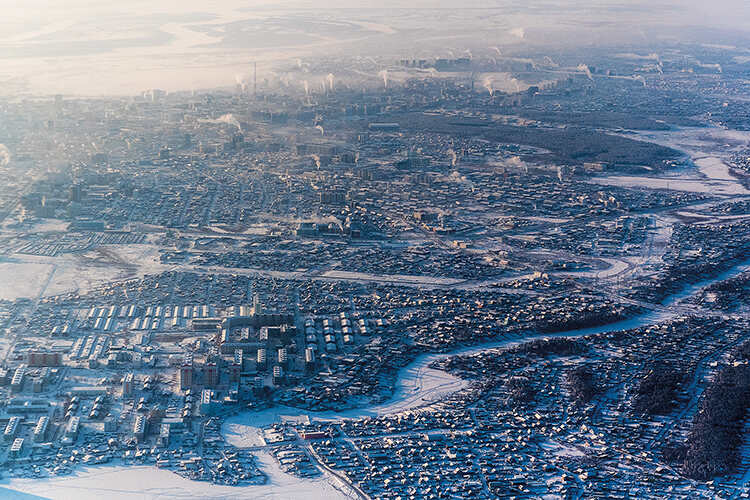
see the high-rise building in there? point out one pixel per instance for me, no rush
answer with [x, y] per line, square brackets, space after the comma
[16, 383]
[76, 193]
[234, 370]
[40, 431]
[261, 358]
[211, 375]
[139, 427]
[186, 377]
[127, 385]
[44, 358]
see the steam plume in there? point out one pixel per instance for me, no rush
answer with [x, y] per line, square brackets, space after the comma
[320, 127]
[4, 155]
[384, 75]
[329, 78]
[487, 83]
[518, 32]
[585, 69]
[456, 178]
[717, 67]
[241, 82]
[229, 119]
[454, 158]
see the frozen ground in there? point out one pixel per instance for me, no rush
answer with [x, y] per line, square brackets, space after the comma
[417, 385]
[145, 482]
[707, 147]
[710, 186]
[28, 276]
[715, 168]
[23, 279]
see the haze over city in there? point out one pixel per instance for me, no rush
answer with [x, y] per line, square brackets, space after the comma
[81, 47]
[298, 249]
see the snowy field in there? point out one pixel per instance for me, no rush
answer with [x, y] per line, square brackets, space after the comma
[149, 483]
[28, 276]
[22, 279]
[720, 187]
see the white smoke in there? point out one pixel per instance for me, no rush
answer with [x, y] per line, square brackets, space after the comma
[502, 82]
[518, 32]
[384, 75]
[716, 67]
[468, 53]
[516, 84]
[516, 163]
[316, 159]
[585, 69]
[658, 65]
[487, 83]
[457, 178]
[497, 51]
[453, 157]
[4, 155]
[320, 127]
[306, 86]
[323, 220]
[638, 57]
[241, 82]
[228, 118]
[329, 78]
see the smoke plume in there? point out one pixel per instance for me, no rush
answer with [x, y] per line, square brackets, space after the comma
[4, 155]
[384, 75]
[487, 83]
[228, 118]
[453, 157]
[241, 82]
[585, 69]
[456, 178]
